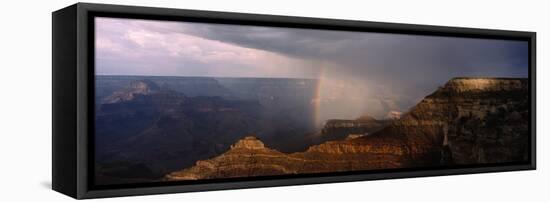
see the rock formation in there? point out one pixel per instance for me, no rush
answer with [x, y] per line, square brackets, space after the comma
[363, 125]
[135, 88]
[247, 157]
[466, 121]
[393, 115]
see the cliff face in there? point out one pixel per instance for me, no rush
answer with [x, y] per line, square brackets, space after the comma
[466, 121]
[480, 120]
[247, 157]
[363, 125]
[483, 120]
[336, 129]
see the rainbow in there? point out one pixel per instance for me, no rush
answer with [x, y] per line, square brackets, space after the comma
[316, 102]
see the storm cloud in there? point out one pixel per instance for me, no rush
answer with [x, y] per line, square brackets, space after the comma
[389, 71]
[380, 56]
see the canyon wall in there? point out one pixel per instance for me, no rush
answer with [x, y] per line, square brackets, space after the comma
[466, 121]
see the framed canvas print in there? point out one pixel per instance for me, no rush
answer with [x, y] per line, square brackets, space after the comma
[154, 100]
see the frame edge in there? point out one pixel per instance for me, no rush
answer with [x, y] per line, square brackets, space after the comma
[64, 107]
[83, 10]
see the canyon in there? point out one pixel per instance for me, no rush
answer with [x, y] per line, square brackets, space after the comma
[148, 126]
[467, 121]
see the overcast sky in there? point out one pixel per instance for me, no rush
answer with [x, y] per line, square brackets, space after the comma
[386, 65]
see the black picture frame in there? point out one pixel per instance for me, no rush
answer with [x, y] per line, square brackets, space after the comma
[73, 93]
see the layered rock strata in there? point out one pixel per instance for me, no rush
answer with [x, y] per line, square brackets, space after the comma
[467, 121]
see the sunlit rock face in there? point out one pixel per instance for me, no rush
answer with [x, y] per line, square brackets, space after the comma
[479, 120]
[247, 157]
[466, 121]
[462, 84]
[249, 142]
[489, 124]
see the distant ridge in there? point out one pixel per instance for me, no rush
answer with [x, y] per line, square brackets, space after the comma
[135, 88]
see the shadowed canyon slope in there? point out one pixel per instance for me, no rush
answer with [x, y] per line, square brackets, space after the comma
[149, 126]
[467, 121]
